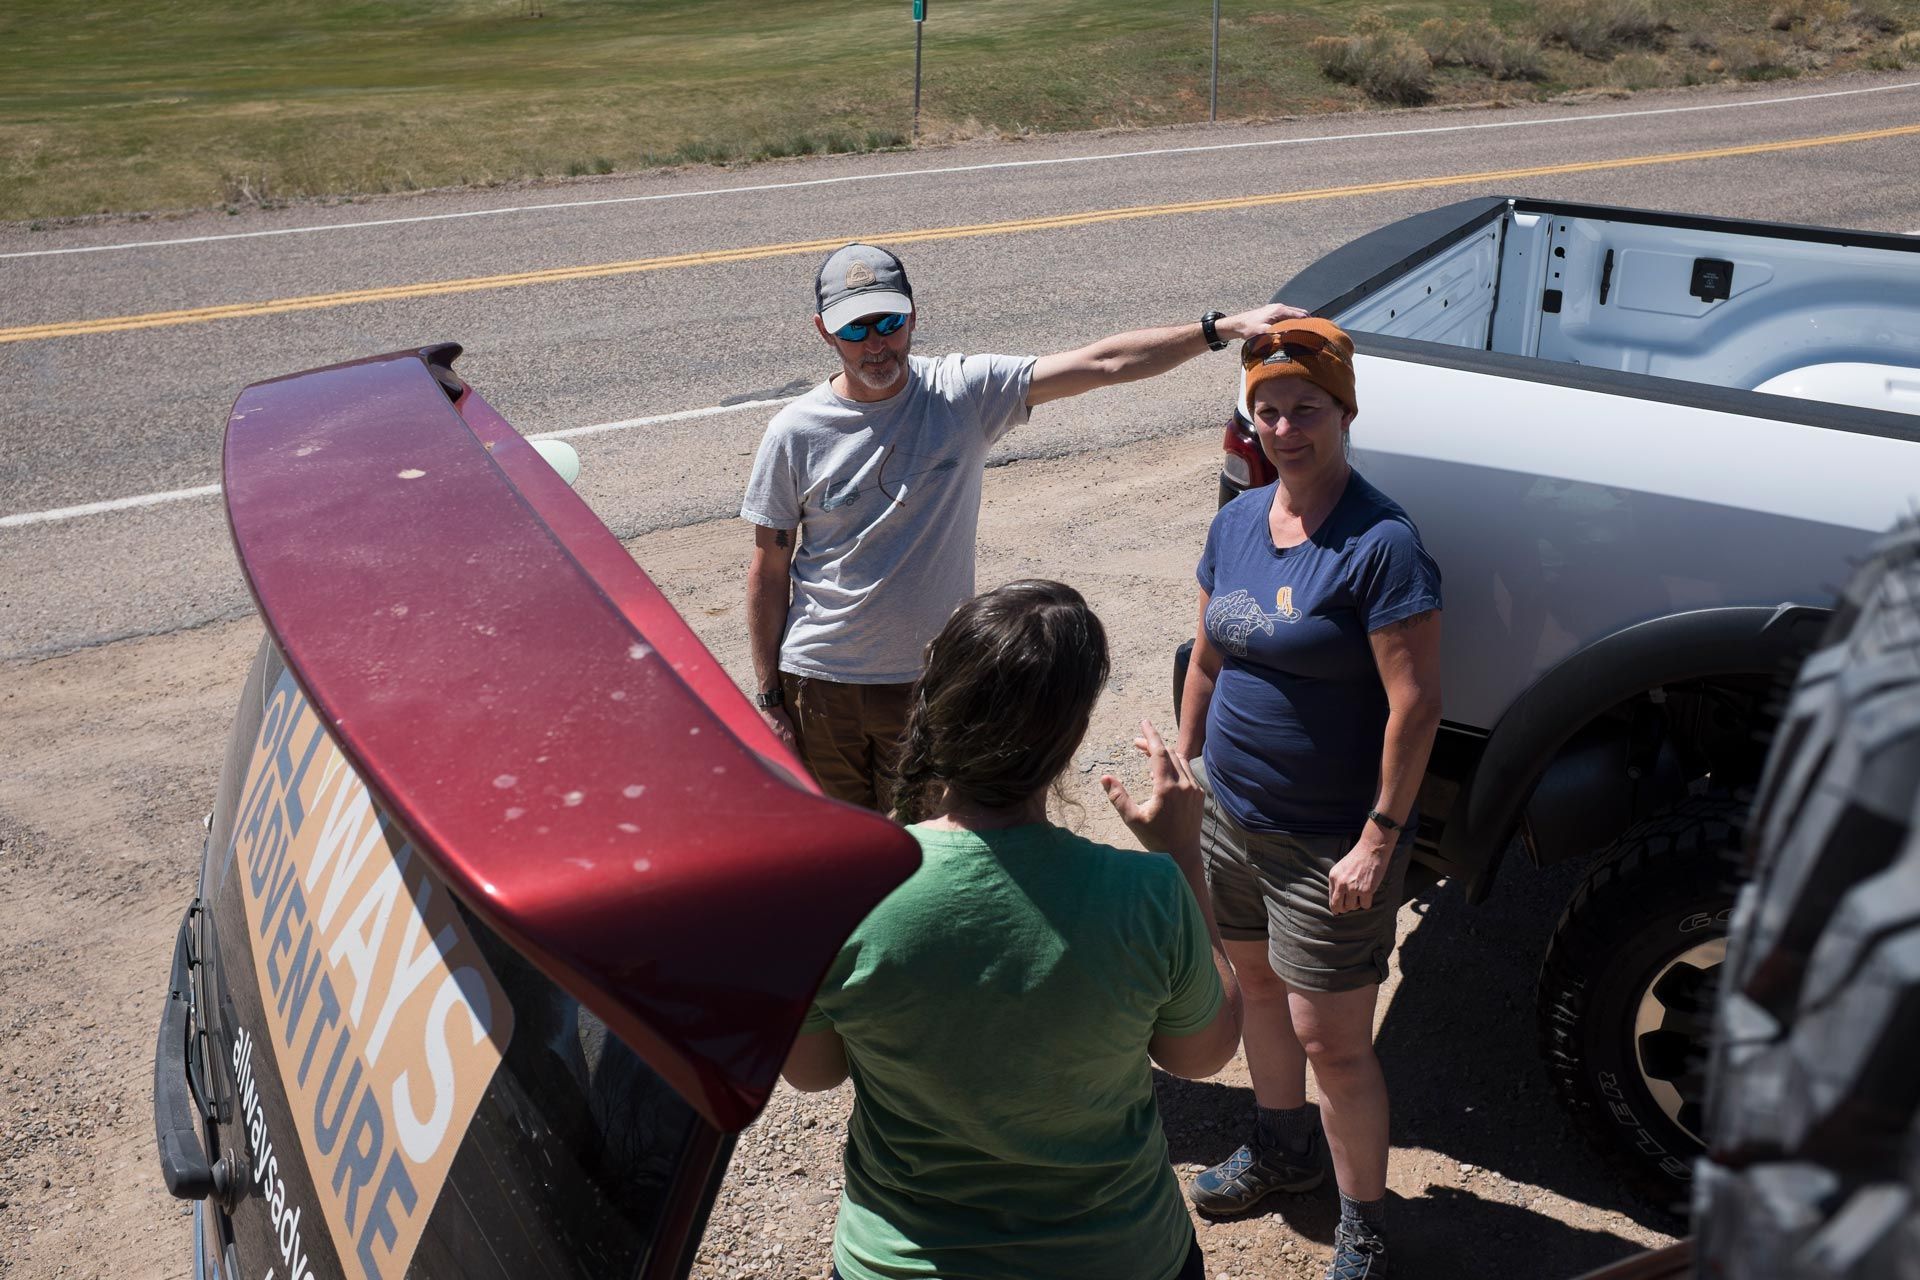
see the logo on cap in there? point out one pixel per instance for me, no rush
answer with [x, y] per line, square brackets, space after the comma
[859, 276]
[1278, 357]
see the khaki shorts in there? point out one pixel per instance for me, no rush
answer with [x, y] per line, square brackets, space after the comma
[848, 735]
[1271, 885]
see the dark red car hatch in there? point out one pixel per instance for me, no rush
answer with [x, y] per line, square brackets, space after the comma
[536, 715]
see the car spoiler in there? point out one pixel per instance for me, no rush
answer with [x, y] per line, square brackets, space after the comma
[551, 735]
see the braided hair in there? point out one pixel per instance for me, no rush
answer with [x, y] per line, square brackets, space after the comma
[1005, 697]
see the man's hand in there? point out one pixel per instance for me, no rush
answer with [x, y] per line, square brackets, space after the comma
[781, 723]
[1258, 320]
[769, 590]
[1358, 876]
[1170, 819]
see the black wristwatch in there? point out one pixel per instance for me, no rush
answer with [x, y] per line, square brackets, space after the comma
[768, 699]
[1386, 823]
[1214, 341]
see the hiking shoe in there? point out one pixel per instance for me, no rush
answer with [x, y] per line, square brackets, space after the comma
[1358, 1253]
[1253, 1173]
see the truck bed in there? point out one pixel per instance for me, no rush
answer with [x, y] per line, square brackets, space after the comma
[1827, 315]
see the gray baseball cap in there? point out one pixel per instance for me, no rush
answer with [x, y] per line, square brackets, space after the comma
[860, 280]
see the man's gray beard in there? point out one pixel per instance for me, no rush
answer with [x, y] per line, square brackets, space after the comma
[873, 379]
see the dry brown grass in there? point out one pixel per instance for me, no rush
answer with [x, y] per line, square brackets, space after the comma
[1876, 17]
[1752, 58]
[1640, 70]
[1599, 29]
[1898, 55]
[1383, 63]
[1820, 24]
[1625, 44]
[1477, 43]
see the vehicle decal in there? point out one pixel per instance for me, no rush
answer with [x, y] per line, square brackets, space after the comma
[268, 1181]
[385, 1021]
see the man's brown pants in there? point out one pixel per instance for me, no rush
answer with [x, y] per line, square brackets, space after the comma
[848, 735]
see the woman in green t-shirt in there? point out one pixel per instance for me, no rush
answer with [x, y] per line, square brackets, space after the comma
[998, 1011]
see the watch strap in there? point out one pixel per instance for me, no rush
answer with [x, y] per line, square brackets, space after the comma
[1386, 823]
[767, 699]
[1207, 330]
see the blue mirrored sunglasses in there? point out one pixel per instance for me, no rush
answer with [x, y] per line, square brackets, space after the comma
[856, 330]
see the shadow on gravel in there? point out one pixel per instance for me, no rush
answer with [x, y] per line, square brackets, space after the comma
[1458, 1045]
[1452, 1234]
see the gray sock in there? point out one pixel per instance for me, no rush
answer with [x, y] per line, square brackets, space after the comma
[1287, 1129]
[1371, 1214]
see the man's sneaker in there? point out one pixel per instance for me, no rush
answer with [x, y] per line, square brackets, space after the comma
[1358, 1253]
[1253, 1173]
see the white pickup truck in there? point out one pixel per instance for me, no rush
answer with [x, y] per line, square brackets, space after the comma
[1644, 448]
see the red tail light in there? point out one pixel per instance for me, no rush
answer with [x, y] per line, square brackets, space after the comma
[1245, 466]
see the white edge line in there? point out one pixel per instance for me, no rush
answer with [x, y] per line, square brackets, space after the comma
[114, 504]
[212, 490]
[568, 433]
[969, 168]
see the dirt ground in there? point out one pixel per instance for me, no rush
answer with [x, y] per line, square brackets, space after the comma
[109, 758]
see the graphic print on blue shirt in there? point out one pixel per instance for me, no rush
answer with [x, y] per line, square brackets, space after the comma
[1298, 717]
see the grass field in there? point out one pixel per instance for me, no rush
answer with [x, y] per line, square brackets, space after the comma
[125, 105]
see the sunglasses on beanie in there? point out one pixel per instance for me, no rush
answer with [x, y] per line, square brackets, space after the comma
[1262, 345]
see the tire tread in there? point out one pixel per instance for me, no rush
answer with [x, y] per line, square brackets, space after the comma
[1691, 852]
[1813, 1168]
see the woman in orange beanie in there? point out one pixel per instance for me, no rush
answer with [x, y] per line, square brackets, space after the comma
[1313, 695]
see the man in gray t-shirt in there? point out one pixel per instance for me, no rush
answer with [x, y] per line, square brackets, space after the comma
[877, 471]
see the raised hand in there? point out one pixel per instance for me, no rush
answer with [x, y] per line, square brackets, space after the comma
[1169, 820]
[1258, 320]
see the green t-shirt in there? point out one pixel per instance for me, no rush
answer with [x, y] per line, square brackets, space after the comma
[996, 1010]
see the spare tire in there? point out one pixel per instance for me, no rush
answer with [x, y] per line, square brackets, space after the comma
[1813, 1159]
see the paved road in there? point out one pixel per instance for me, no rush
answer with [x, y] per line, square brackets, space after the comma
[649, 296]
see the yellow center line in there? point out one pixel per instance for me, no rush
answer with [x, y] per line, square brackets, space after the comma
[558, 275]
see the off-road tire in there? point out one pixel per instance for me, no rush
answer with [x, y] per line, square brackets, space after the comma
[1625, 997]
[1814, 1165]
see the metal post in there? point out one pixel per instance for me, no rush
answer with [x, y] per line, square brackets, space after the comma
[919, 25]
[1213, 97]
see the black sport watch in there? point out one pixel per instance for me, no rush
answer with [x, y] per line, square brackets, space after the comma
[767, 699]
[1214, 341]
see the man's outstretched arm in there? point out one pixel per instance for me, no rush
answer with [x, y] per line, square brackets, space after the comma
[1141, 353]
[769, 591]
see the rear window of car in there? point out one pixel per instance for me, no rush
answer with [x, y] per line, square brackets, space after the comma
[571, 1154]
[456, 1112]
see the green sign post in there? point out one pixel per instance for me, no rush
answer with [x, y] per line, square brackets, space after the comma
[1213, 94]
[919, 24]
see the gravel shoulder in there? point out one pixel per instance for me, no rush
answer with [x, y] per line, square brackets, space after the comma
[114, 752]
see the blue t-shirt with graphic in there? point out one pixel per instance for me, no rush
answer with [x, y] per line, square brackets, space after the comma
[1299, 715]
